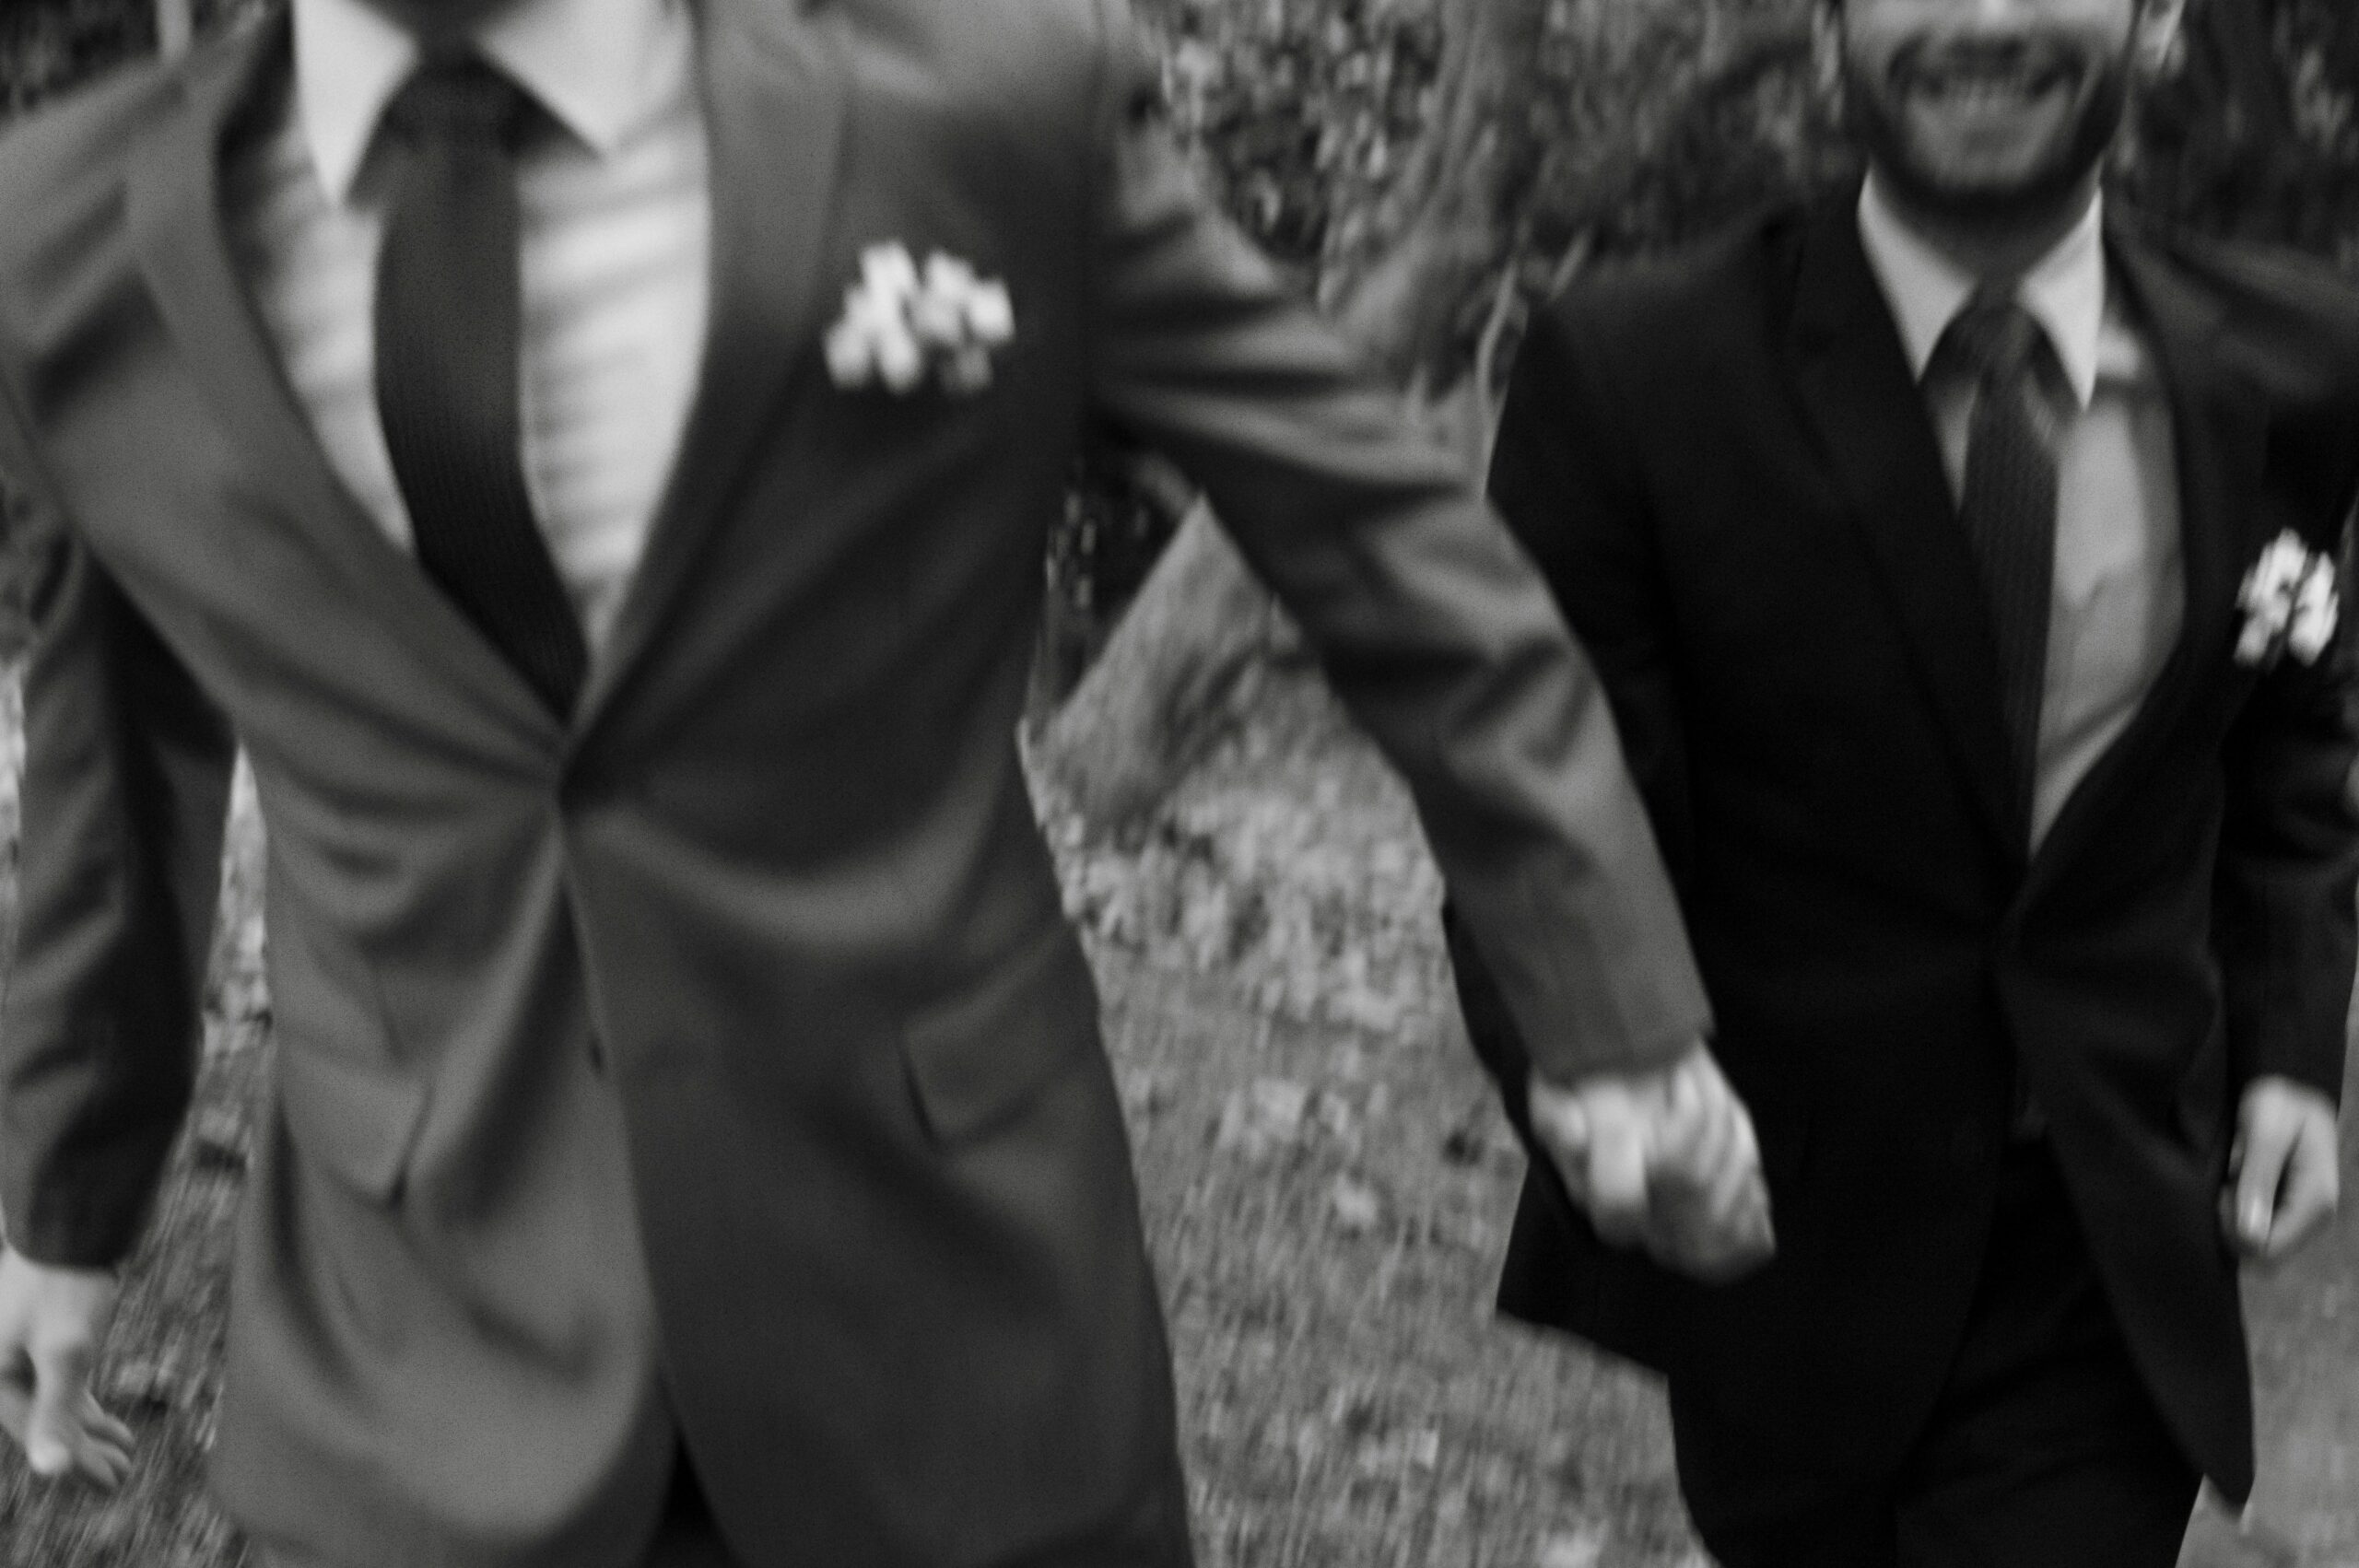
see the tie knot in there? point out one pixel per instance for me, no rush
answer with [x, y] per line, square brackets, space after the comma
[460, 98]
[1994, 336]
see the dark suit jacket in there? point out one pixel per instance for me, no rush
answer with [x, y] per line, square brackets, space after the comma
[720, 1058]
[1726, 473]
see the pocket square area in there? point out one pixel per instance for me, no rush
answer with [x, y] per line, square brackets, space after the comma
[2291, 603]
[903, 325]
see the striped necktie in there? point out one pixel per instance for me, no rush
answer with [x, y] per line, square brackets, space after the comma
[447, 317]
[2009, 503]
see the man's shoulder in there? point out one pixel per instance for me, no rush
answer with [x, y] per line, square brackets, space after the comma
[993, 47]
[1014, 90]
[1693, 303]
[2287, 330]
[62, 173]
[2290, 317]
[2273, 277]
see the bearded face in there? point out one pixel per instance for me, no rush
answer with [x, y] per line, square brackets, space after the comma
[1988, 110]
[434, 19]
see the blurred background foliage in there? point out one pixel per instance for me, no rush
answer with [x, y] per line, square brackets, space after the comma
[1583, 130]
[1427, 170]
[1610, 128]
[47, 46]
[1643, 123]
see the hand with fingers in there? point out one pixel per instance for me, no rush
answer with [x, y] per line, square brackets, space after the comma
[1665, 1160]
[52, 1321]
[2283, 1178]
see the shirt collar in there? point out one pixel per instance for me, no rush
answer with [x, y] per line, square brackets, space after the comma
[2065, 290]
[597, 66]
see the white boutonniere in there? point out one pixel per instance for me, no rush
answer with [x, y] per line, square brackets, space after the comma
[901, 323]
[2290, 603]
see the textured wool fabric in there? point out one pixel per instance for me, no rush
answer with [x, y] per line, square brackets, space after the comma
[446, 341]
[2009, 507]
[1799, 645]
[615, 246]
[2044, 1451]
[589, 1033]
[2118, 594]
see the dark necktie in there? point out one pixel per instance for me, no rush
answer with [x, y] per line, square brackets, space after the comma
[447, 369]
[2009, 503]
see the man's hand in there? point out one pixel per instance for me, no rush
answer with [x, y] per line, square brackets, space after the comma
[52, 1322]
[1665, 1160]
[2283, 1180]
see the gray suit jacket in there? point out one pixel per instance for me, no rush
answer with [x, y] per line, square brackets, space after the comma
[719, 1060]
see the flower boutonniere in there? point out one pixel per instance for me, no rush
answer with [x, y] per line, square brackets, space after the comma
[901, 323]
[2290, 603]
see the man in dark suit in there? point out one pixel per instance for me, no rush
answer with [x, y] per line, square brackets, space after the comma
[596, 457]
[1960, 559]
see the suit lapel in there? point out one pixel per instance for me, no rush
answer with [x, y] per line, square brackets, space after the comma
[2218, 423]
[176, 225]
[774, 102]
[1855, 383]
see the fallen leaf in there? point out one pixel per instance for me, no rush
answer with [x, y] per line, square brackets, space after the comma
[1355, 1203]
[1582, 1547]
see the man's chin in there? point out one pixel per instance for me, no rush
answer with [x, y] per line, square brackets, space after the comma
[1960, 169]
[2007, 137]
[2008, 201]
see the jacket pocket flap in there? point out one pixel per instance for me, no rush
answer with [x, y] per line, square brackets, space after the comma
[356, 1118]
[977, 1056]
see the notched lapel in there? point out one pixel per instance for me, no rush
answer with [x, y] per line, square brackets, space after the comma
[1875, 433]
[2219, 424]
[178, 233]
[775, 96]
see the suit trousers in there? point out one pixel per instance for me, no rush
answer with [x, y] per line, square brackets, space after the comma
[1154, 1535]
[685, 1537]
[688, 1538]
[2043, 1450]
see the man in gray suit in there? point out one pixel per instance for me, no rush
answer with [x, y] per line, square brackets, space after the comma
[594, 456]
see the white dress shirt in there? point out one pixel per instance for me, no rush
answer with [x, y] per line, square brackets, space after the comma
[616, 214]
[2118, 592]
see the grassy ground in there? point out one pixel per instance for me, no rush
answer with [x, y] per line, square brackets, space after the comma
[2305, 1368]
[1328, 1207]
[1327, 1186]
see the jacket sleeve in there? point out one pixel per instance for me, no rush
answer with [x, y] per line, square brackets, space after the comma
[1560, 478]
[1430, 623]
[126, 779]
[2289, 856]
